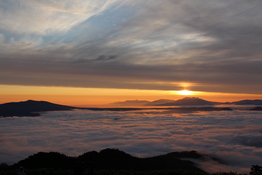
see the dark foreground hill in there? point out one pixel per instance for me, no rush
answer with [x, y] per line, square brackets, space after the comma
[111, 159]
[30, 108]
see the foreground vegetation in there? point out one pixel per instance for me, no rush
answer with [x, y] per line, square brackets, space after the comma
[111, 162]
[117, 172]
[10, 170]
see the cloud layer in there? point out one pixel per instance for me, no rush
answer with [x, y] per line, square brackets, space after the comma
[234, 137]
[132, 44]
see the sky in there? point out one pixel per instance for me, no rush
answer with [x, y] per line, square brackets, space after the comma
[129, 49]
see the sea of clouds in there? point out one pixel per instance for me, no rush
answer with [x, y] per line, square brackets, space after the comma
[235, 137]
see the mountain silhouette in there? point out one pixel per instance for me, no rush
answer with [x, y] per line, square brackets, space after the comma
[46, 160]
[30, 108]
[258, 108]
[191, 104]
[114, 159]
[247, 102]
[189, 101]
[159, 102]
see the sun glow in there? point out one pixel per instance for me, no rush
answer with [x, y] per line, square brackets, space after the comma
[185, 92]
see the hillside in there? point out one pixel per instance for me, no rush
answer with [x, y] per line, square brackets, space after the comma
[114, 159]
[159, 102]
[189, 101]
[247, 102]
[30, 108]
[187, 104]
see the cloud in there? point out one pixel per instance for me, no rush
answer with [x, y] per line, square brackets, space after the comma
[251, 140]
[106, 57]
[45, 17]
[225, 135]
[112, 74]
[214, 44]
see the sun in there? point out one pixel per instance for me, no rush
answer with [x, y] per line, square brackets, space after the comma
[185, 92]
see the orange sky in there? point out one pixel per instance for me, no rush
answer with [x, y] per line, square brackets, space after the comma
[102, 96]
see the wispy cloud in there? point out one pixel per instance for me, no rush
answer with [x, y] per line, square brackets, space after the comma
[48, 17]
[212, 43]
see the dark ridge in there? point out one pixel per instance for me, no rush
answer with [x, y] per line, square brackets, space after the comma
[189, 101]
[30, 108]
[226, 109]
[159, 102]
[46, 160]
[187, 105]
[186, 154]
[112, 159]
[258, 108]
[33, 108]
[248, 102]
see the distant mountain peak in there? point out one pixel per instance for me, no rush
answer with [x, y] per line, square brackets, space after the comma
[190, 98]
[31, 101]
[159, 102]
[188, 101]
[248, 102]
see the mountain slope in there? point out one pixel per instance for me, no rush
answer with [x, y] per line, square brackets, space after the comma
[247, 102]
[159, 102]
[30, 108]
[113, 159]
[189, 101]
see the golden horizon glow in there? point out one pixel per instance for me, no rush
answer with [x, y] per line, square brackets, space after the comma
[185, 92]
[76, 96]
